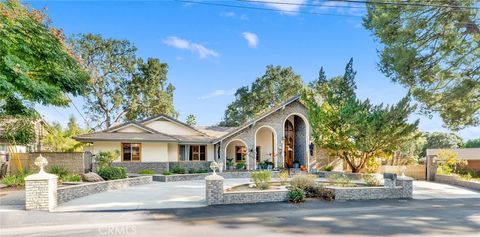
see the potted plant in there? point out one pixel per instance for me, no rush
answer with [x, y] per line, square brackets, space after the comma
[241, 165]
[230, 164]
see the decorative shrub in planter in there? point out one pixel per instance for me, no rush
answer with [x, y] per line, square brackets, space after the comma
[296, 195]
[112, 173]
[178, 170]
[328, 168]
[146, 172]
[72, 178]
[283, 177]
[305, 182]
[241, 165]
[261, 179]
[371, 180]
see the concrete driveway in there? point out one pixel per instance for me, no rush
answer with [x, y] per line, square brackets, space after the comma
[433, 190]
[157, 195]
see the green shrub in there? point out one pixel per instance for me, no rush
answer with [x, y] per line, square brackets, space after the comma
[198, 171]
[314, 192]
[327, 195]
[241, 165]
[340, 180]
[112, 173]
[72, 178]
[105, 158]
[10, 181]
[178, 170]
[371, 180]
[283, 177]
[328, 168]
[306, 182]
[261, 179]
[296, 195]
[58, 170]
[146, 172]
[166, 172]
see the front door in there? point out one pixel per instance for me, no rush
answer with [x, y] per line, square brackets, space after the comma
[289, 144]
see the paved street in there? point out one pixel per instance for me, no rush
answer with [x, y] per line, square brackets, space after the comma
[437, 209]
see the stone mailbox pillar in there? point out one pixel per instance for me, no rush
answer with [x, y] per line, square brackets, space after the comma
[389, 180]
[41, 189]
[214, 189]
[407, 186]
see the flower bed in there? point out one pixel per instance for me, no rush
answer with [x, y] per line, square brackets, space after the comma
[455, 180]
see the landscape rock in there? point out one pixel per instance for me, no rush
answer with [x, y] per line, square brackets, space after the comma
[91, 177]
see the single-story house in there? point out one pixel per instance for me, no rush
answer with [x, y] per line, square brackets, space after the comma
[471, 155]
[279, 137]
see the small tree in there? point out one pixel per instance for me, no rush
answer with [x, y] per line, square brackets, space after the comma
[191, 120]
[355, 130]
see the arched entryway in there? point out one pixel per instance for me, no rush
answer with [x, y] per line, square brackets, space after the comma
[236, 151]
[295, 141]
[265, 147]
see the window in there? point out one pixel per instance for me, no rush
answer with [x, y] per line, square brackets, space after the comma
[240, 153]
[192, 152]
[131, 151]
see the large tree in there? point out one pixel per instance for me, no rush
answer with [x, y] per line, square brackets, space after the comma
[35, 63]
[60, 139]
[275, 86]
[473, 143]
[354, 130]
[122, 87]
[433, 49]
[441, 140]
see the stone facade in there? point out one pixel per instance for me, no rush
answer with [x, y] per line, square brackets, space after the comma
[214, 190]
[186, 177]
[276, 120]
[255, 196]
[160, 167]
[454, 180]
[403, 188]
[41, 192]
[65, 194]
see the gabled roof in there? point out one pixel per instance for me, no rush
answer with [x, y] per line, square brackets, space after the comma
[124, 136]
[463, 153]
[127, 124]
[257, 118]
[171, 119]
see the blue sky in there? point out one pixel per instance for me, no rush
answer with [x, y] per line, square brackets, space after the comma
[212, 50]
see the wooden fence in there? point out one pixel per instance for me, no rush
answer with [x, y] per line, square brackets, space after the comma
[415, 171]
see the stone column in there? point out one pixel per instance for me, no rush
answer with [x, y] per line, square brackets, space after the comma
[407, 186]
[41, 192]
[389, 183]
[431, 167]
[214, 189]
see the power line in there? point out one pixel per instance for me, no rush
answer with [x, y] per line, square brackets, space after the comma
[262, 8]
[84, 119]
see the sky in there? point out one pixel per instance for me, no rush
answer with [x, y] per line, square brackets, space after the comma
[212, 49]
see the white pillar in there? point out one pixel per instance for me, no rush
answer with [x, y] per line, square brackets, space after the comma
[41, 192]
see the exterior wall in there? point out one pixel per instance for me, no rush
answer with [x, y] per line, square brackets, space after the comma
[135, 167]
[106, 146]
[131, 129]
[154, 152]
[474, 165]
[168, 127]
[210, 152]
[172, 152]
[275, 120]
[418, 172]
[300, 144]
[231, 149]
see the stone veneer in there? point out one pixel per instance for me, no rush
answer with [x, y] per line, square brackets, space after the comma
[276, 121]
[402, 189]
[186, 177]
[65, 194]
[160, 167]
[454, 180]
[41, 192]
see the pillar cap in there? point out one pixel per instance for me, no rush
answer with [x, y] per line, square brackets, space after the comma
[214, 177]
[41, 176]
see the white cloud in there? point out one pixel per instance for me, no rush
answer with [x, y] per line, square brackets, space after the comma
[252, 39]
[291, 6]
[196, 48]
[217, 93]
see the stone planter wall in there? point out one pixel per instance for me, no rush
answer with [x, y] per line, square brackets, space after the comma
[327, 174]
[403, 189]
[255, 196]
[65, 194]
[454, 180]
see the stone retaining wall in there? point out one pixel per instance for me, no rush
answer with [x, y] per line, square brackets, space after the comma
[403, 189]
[327, 174]
[65, 194]
[255, 196]
[454, 180]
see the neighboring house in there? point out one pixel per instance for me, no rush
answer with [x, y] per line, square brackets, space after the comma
[280, 136]
[41, 129]
[471, 155]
